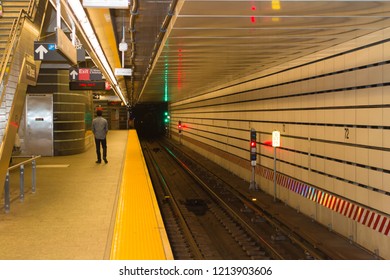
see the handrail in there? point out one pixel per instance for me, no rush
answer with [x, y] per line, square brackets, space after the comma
[11, 42]
[5, 59]
[7, 198]
[23, 162]
[30, 9]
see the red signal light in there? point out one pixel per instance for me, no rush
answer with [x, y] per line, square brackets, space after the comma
[179, 126]
[253, 144]
[253, 18]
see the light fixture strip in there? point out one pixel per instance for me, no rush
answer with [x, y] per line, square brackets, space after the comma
[78, 11]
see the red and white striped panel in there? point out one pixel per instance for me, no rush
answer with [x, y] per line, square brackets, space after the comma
[365, 216]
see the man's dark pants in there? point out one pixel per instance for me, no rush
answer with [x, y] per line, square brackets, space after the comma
[102, 142]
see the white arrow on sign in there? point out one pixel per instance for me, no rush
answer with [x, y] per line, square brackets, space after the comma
[74, 74]
[41, 50]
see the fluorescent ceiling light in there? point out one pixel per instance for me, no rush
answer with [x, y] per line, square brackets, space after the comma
[79, 12]
[113, 4]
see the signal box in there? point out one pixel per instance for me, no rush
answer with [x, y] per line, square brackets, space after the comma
[253, 145]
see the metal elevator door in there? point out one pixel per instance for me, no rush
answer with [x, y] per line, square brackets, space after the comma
[39, 124]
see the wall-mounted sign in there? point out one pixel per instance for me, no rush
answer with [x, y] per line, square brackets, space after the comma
[30, 70]
[275, 138]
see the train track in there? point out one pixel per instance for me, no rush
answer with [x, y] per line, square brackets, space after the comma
[208, 219]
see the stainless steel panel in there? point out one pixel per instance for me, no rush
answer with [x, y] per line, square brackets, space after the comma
[39, 124]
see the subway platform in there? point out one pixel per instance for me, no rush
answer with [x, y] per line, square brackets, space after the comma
[71, 216]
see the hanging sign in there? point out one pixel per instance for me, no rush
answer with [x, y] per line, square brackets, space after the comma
[85, 74]
[48, 52]
[64, 45]
[87, 85]
[123, 71]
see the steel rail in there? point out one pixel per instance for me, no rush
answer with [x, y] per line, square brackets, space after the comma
[275, 254]
[176, 209]
[313, 249]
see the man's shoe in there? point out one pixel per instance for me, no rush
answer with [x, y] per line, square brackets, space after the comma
[98, 161]
[105, 160]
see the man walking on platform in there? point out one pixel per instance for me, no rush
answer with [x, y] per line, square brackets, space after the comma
[100, 129]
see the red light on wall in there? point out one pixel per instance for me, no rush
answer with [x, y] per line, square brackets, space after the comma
[268, 143]
[253, 8]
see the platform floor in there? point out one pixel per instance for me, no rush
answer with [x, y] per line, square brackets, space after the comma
[71, 215]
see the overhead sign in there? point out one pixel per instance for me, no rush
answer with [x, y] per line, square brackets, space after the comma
[275, 138]
[65, 46]
[85, 74]
[42, 51]
[113, 4]
[123, 71]
[48, 52]
[87, 85]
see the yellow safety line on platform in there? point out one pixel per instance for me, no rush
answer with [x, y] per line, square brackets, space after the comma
[139, 232]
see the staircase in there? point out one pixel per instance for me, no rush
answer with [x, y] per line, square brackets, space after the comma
[16, 40]
[11, 12]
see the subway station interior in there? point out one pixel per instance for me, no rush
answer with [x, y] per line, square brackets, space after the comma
[305, 81]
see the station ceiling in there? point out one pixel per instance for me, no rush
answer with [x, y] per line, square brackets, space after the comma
[180, 49]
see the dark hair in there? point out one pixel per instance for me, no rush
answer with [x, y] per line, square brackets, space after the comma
[99, 113]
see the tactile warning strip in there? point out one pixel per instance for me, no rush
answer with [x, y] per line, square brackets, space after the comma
[139, 232]
[363, 215]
